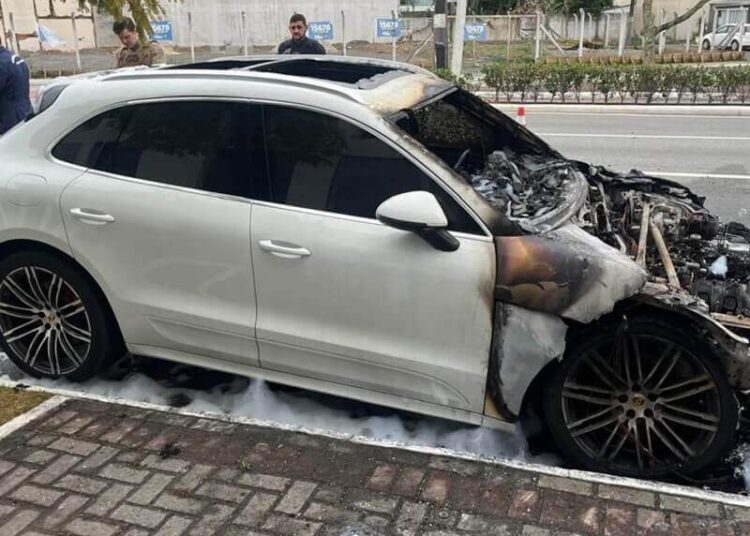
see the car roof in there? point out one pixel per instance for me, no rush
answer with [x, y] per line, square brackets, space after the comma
[383, 86]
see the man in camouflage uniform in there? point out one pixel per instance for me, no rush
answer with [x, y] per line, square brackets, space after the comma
[133, 52]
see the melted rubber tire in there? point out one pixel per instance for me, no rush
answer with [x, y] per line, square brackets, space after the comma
[105, 342]
[678, 335]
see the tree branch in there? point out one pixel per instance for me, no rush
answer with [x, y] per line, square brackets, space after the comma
[685, 16]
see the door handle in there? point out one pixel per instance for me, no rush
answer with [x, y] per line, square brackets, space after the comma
[284, 250]
[94, 217]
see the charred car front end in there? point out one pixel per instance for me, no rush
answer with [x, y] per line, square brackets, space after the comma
[623, 289]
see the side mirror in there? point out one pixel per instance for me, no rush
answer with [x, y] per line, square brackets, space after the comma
[420, 213]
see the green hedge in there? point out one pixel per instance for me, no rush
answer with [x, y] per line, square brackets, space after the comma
[641, 83]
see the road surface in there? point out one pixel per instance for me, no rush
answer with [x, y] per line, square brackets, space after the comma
[709, 154]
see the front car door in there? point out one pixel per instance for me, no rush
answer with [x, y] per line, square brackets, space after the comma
[347, 300]
[162, 220]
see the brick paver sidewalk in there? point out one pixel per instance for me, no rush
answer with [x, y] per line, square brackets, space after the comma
[94, 469]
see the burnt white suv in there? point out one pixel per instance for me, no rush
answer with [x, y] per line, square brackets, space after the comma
[366, 229]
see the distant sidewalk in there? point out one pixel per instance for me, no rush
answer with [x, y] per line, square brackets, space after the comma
[90, 468]
[634, 109]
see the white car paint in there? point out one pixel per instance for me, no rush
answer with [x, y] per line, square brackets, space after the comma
[365, 311]
[713, 39]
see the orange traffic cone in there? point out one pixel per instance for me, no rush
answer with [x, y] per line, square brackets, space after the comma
[521, 116]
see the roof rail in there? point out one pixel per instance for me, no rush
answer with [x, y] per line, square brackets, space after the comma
[243, 75]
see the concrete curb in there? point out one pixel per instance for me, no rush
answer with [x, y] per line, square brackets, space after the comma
[630, 109]
[677, 490]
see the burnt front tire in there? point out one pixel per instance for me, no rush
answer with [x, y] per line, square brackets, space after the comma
[53, 321]
[644, 397]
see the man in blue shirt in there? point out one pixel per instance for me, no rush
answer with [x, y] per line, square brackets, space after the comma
[14, 89]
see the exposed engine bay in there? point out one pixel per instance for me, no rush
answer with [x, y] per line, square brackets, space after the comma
[661, 225]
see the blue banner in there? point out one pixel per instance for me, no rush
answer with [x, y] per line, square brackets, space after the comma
[475, 32]
[320, 31]
[389, 27]
[162, 30]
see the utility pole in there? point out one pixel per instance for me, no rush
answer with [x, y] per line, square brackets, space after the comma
[457, 60]
[440, 25]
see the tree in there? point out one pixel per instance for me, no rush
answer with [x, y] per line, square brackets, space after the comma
[141, 11]
[651, 30]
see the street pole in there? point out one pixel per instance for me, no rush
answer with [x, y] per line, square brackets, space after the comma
[742, 27]
[716, 25]
[343, 32]
[538, 37]
[457, 59]
[582, 27]
[14, 35]
[623, 32]
[606, 30]
[440, 26]
[393, 42]
[190, 36]
[244, 33]
[75, 39]
[510, 23]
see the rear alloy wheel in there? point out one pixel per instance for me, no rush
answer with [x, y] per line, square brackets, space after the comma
[735, 46]
[706, 45]
[52, 323]
[647, 401]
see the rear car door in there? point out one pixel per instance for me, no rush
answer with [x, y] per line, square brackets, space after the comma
[345, 299]
[162, 219]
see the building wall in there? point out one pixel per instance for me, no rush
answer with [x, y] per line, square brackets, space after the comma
[218, 23]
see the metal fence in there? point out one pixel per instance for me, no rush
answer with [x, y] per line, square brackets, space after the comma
[193, 31]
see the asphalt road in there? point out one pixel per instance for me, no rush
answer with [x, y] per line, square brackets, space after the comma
[709, 154]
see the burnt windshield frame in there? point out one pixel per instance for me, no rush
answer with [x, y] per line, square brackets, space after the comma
[526, 141]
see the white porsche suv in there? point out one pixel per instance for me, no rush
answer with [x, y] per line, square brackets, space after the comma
[369, 230]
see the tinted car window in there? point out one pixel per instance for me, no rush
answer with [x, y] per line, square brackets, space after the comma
[210, 146]
[85, 143]
[321, 162]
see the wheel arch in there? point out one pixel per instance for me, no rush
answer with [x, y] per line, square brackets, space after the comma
[737, 369]
[11, 247]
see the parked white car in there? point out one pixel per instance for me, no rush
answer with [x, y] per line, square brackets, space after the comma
[369, 230]
[713, 40]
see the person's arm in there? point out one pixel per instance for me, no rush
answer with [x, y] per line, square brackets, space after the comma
[157, 54]
[282, 48]
[319, 49]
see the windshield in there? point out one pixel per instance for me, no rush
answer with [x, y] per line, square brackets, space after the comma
[511, 168]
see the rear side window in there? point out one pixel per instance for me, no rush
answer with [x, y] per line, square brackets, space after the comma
[84, 145]
[321, 162]
[211, 146]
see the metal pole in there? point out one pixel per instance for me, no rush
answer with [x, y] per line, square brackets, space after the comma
[440, 26]
[510, 23]
[190, 36]
[591, 26]
[716, 25]
[343, 32]
[393, 42]
[538, 37]
[582, 17]
[3, 21]
[700, 32]
[687, 40]
[14, 36]
[243, 22]
[75, 40]
[623, 32]
[742, 27]
[606, 30]
[457, 59]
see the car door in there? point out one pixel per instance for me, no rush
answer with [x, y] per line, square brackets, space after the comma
[347, 300]
[721, 33]
[162, 219]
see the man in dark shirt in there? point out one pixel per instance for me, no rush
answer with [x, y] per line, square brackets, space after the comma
[14, 89]
[300, 43]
